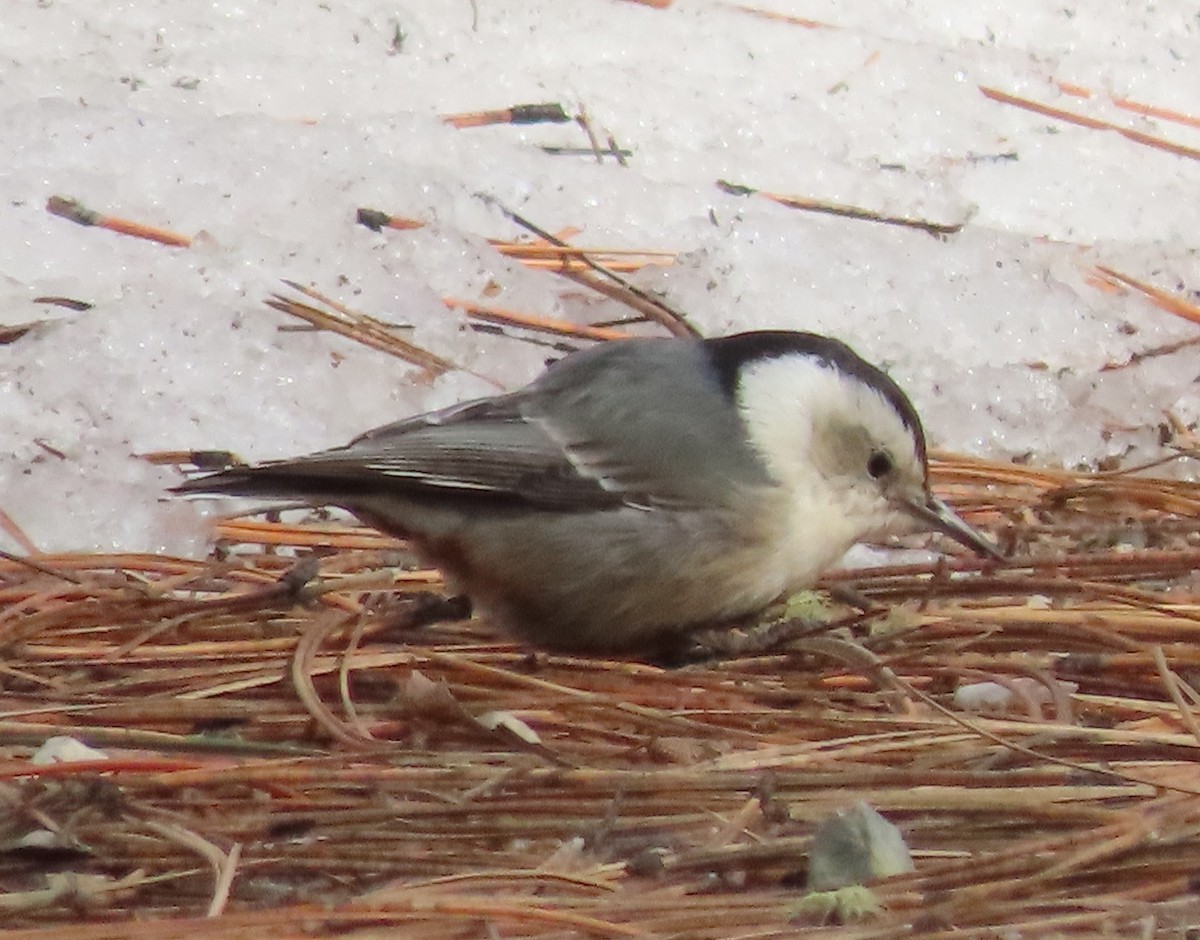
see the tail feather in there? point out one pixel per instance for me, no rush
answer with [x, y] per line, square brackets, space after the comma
[269, 482]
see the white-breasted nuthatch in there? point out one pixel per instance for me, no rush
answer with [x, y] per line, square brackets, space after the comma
[640, 489]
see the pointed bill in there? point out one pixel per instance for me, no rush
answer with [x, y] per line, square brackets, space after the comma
[934, 514]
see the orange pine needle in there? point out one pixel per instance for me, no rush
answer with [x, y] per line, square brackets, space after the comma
[535, 253]
[376, 220]
[1091, 123]
[1136, 107]
[10, 528]
[1161, 298]
[260, 532]
[785, 18]
[547, 113]
[528, 322]
[74, 211]
[520, 249]
[138, 230]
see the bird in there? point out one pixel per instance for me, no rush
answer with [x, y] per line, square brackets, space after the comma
[639, 490]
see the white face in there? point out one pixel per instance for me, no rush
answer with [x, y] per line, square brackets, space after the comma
[838, 447]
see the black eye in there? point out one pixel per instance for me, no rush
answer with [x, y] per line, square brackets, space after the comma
[879, 465]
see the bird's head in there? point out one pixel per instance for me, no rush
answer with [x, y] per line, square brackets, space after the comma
[842, 437]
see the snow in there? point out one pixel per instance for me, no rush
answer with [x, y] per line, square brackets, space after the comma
[262, 127]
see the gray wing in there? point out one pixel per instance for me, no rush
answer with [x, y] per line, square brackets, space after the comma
[648, 420]
[482, 450]
[634, 423]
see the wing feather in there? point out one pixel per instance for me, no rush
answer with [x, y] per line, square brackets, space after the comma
[478, 450]
[599, 430]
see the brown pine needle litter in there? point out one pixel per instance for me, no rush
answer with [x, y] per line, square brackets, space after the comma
[362, 328]
[300, 737]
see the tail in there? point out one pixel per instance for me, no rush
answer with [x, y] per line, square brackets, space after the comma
[268, 481]
[237, 481]
[372, 501]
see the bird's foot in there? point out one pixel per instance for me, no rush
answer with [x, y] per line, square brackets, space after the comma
[424, 610]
